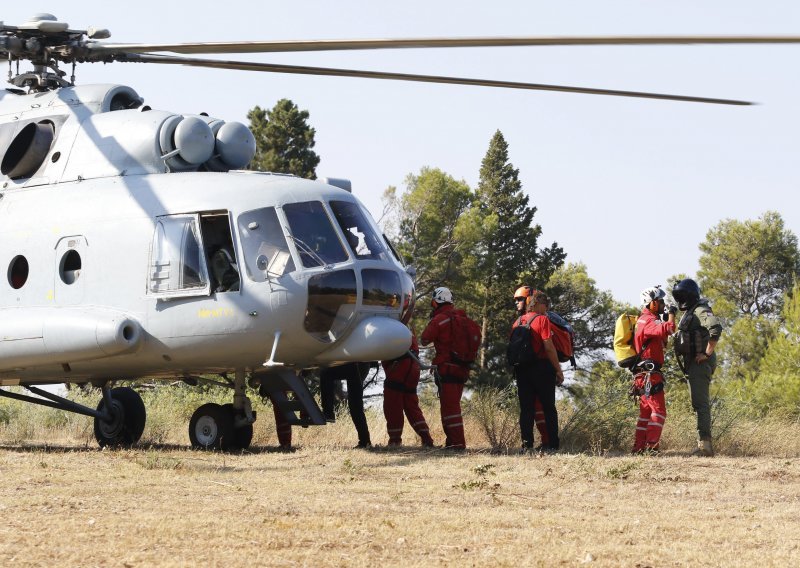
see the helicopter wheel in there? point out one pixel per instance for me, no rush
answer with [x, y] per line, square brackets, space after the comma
[211, 428]
[128, 417]
[241, 436]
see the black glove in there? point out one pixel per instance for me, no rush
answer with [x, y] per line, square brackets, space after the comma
[671, 309]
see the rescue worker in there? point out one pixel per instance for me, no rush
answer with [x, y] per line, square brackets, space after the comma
[699, 331]
[354, 374]
[520, 296]
[400, 395]
[648, 384]
[537, 380]
[451, 375]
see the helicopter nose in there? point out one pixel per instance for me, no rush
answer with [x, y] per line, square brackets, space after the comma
[376, 338]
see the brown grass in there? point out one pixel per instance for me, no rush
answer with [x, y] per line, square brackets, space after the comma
[63, 502]
[70, 506]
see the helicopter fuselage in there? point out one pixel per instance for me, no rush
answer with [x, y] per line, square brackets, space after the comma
[124, 259]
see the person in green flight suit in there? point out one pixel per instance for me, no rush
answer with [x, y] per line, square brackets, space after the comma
[696, 340]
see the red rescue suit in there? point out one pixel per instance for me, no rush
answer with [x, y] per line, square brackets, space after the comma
[400, 395]
[451, 375]
[651, 334]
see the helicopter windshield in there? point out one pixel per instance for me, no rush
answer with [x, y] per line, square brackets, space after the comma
[313, 234]
[361, 237]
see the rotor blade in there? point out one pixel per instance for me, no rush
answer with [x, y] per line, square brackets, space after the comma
[354, 44]
[304, 70]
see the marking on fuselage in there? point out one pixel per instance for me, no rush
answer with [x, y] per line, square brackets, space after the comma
[217, 313]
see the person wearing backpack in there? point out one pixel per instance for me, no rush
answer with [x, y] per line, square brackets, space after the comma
[520, 302]
[400, 394]
[450, 370]
[699, 331]
[537, 370]
[649, 341]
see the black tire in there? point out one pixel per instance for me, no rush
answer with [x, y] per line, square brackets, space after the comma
[211, 427]
[241, 436]
[128, 419]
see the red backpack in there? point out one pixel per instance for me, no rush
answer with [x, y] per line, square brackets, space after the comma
[563, 338]
[466, 339]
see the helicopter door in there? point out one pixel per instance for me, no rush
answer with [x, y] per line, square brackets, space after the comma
[69, 285]
[177, 263]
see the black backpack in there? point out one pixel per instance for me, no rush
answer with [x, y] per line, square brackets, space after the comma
[520, 350]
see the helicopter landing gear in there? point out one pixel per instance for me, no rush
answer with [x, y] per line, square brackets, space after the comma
[211, 428]
[214, 427]
[123, 418]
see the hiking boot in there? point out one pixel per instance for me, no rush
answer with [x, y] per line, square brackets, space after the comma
[524, 450]
[363, 446]
[704, 449]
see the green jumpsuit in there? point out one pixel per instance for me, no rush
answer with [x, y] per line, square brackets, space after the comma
[697, 327]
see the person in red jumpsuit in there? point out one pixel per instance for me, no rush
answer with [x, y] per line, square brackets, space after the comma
[648, 383]
[538, 379]
[520, 297]
[451, 375]
[400, 395]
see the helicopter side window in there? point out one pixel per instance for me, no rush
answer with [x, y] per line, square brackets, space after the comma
[177, 262]
[264, 247]
[363, 240]
[313, 234]
[218, 245]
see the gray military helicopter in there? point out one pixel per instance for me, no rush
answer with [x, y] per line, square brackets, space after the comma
[135, 244]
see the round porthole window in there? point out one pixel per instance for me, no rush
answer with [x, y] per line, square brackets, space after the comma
[70, 267]
[18, 272]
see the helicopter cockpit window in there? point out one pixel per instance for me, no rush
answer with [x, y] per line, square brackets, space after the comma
[177, 262]
[361, 237]
[331, 304]
[313, 234]
[264, 247]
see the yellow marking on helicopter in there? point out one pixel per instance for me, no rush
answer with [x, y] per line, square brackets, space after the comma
[217, 313]
[50, 296]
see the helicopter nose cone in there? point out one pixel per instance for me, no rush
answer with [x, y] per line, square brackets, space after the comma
[235, 145]
[194, 140]
[375, 338]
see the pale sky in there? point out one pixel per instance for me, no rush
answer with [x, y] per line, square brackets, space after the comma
[629, 187]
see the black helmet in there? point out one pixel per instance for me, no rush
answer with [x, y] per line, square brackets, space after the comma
[686, 293]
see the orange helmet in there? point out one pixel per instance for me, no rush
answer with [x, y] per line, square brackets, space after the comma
[523, 292]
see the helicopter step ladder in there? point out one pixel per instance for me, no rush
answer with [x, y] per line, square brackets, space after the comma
[299, 410]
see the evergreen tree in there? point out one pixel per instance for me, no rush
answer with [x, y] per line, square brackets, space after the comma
[284, 140]
[506, 254]
[747, 266]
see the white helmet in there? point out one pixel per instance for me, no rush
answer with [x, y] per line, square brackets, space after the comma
[652, 293]
[442, 295]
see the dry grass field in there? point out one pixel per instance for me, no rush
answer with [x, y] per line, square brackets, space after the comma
[63, 502]
[322, 506]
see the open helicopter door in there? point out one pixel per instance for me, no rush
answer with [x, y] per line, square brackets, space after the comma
[71, 255]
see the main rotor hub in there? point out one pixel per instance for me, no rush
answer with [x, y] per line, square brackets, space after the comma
[44, 41]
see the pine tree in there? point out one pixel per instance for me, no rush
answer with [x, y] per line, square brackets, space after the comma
[508, 250]
[284, 140]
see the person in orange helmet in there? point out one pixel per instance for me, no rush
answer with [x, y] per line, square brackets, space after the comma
[520, 296]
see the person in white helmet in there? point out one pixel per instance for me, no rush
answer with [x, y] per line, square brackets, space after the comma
[648, 383]
[451, 374]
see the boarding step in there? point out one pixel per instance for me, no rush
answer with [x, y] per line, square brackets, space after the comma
[299, 409]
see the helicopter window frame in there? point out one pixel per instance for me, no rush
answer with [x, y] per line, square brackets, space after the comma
[188, 279]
